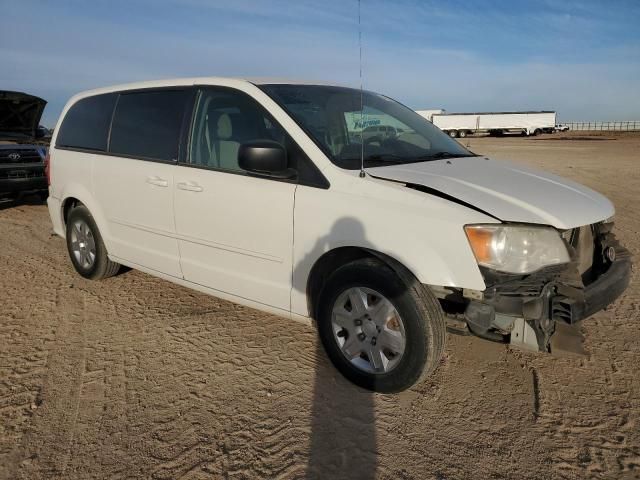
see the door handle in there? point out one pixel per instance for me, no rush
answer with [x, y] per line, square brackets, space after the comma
[190, 186]
[157, 181]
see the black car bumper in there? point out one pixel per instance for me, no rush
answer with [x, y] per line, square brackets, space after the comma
[23, 185]
[597, 295]
[22, 178]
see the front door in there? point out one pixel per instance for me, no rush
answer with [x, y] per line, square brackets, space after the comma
[235, 231]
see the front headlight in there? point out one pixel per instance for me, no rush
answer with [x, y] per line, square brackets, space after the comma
[516, 248]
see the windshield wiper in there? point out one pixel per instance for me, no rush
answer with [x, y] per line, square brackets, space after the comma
[441, 155]
[386, 157]
[380, 158]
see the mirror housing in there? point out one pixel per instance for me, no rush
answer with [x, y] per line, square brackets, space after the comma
[265, 158]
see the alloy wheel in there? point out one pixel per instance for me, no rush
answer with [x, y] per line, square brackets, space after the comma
[368, 330]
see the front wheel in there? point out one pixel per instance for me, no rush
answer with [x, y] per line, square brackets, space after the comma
[86, 249]
[379, 332]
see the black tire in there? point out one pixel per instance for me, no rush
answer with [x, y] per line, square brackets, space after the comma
[102, 267]
[421, 315]
[453, 133]
[462, 133]
[537, 132]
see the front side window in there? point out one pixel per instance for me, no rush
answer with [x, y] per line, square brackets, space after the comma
[86, 124]
[147, 124]
[223, 121]
[383, 131]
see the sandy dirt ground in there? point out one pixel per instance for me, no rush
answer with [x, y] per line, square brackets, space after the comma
[134, 377]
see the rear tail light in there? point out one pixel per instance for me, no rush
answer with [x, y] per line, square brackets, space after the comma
[47, 168]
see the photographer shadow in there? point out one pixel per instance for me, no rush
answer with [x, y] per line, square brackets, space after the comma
[343, 430]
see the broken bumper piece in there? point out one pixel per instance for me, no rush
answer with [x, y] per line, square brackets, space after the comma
[525, 310]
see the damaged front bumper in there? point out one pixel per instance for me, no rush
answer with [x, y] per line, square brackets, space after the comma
[513, 305]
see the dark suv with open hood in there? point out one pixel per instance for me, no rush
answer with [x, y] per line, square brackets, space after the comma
[22, 145]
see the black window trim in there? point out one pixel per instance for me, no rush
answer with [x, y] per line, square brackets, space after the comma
[113, 115]
[183, 126]
[183, 160]
[186, 131]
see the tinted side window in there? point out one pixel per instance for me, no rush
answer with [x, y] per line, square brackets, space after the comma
[86, 124]
[147, 124]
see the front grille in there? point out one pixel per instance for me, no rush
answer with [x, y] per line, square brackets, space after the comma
[19, 155]
[20, 174]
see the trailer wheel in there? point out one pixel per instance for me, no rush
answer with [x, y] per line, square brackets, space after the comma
[537, 132]
[462, 133]
[453, 133]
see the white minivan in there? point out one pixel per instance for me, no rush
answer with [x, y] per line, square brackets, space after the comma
[264, 194]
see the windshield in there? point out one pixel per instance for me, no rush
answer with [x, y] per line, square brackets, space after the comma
[383, 131]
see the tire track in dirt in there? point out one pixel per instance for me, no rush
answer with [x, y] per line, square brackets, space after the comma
[184, 335]
[61, 389]
[20, 388]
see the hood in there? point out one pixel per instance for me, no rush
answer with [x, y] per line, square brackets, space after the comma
[19, 115]
[509, 192]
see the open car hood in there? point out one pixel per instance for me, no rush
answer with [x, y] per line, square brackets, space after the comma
[19, 115]
[509, 192]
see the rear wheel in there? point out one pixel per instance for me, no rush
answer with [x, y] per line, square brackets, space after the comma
[462, 133]
[379, 332]
[453, 133]
[86, 249]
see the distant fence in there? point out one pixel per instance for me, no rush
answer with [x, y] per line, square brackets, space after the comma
[626, 126]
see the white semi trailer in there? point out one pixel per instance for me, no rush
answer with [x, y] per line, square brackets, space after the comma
[494, 123]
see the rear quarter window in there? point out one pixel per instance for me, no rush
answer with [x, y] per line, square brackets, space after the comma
[86, 124]
[147, 124]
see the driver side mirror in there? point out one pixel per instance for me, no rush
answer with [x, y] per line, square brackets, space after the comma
[265, 158]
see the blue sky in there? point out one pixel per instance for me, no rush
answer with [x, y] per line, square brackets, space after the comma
[579, 57]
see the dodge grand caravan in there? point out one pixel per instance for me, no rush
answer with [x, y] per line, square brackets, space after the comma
[269, 195]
